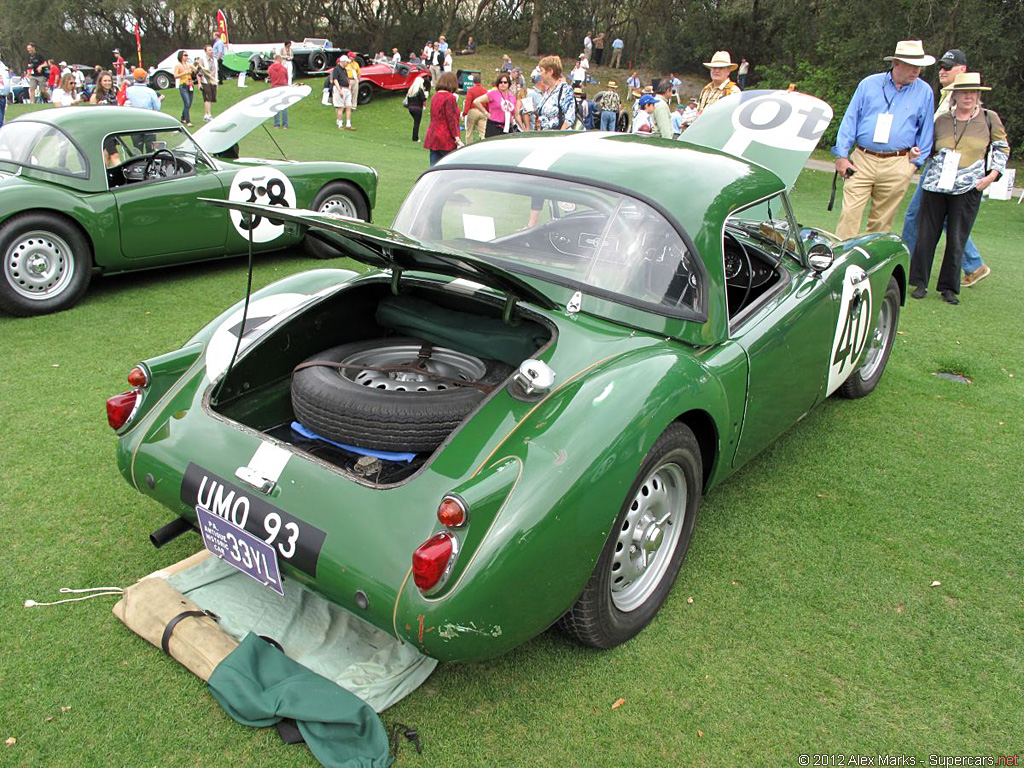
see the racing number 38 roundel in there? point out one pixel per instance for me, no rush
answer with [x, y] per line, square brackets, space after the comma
[852, 328]
[265, 186]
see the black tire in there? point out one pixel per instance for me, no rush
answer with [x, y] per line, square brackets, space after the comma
[622, 122]
[60, 268]
[596, 619]
[332, 404]
[864, 380]
[161, 81]
[340, 197]
[365, 92]
[317, 61]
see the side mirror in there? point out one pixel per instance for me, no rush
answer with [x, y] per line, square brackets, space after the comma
[820, 257]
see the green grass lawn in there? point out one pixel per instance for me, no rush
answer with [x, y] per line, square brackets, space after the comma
[813, 626]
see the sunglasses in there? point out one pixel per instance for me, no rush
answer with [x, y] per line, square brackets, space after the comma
[504, 82]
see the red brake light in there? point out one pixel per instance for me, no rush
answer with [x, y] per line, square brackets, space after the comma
[138, 377]
[451, 512]
[431, 561]
[120, 408]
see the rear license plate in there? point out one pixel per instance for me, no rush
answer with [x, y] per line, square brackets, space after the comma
[237, 547]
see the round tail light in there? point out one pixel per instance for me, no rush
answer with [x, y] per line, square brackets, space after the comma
[452, 512]
[138, 377]
[120, 408]
[432, 561]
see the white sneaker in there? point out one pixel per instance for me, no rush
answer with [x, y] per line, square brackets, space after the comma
[207, 118]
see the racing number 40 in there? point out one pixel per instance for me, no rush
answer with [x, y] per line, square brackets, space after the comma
[855, 329]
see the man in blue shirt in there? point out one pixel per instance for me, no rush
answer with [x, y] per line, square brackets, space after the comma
[890, 121]
[219, 49]
[141, 95]
[616, 60]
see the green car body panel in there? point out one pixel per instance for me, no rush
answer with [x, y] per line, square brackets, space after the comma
[544, 478]
[139, 225]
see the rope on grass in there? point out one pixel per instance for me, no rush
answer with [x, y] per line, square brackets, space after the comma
[98, 592]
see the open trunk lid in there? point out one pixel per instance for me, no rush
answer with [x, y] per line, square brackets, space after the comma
[384, 248]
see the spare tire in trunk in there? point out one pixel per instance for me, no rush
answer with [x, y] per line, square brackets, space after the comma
[351, 401]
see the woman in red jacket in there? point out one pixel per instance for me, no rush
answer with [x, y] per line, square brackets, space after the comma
[443, 131]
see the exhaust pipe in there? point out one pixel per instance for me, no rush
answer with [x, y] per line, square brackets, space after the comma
[169, 532]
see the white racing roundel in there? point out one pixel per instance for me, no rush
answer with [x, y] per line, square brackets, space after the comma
[853, 326]
[264, 186]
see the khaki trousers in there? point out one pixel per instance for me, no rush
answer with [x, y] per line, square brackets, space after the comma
[475, 121]
[883, 181]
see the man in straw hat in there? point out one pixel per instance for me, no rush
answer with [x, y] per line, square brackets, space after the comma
[610, 103]
[720, 86]
[952, 63]
[890, 121]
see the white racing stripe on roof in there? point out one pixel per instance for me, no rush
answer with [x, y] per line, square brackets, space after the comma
[542, 159]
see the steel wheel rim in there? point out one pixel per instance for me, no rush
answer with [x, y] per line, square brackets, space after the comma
[880, 340]
[39, 265]
[442, 362]
[339, 205]
[648, 536]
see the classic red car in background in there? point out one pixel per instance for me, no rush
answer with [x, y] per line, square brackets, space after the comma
[388, 78]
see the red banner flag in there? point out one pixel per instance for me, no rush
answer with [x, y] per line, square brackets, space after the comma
[222, 26]
[138, 42]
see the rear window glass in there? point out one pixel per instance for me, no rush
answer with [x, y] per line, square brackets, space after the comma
[41, 146]
[569, 233]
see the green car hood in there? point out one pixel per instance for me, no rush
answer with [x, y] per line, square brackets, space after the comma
[237, 122]
[384, 248]
[774, 129]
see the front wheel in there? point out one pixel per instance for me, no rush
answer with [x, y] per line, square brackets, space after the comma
[645, 548]
[46, 267]
[341, 198]
[864, 380]
[161, 81]
[317, 61]
[365, 93]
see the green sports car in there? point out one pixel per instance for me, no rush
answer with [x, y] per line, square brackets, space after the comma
[510, 423]
[115, 189]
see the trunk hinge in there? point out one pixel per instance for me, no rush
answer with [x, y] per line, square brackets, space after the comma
[396, 278]
[510, 305]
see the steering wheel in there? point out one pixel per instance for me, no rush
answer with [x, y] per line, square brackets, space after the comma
[148, 173]
[750, 272]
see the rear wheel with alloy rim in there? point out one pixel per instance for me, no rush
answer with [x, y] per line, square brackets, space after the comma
[46, 264]
[646, 547]
[864, 380]
[339, 198]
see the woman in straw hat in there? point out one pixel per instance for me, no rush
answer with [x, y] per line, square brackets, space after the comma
[720, 86]
[970, 152]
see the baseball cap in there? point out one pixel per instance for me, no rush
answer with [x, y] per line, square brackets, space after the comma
[953, 58]
[344, 59]
[647, 99]
[116, 50]
[139, 73]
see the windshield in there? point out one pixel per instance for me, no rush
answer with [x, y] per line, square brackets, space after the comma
[41, 146]
[580, 236]
[132, 145]
[770, 223]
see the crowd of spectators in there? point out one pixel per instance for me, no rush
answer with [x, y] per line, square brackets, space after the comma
[43, 80]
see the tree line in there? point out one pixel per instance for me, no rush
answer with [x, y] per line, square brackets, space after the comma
[824, 46]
